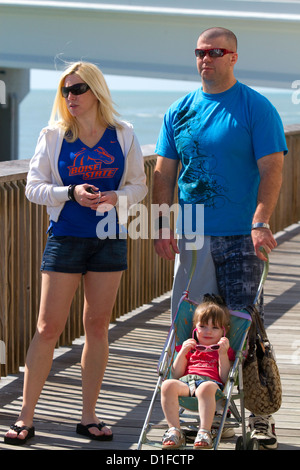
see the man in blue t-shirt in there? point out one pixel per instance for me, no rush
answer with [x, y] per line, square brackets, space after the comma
[230, 143]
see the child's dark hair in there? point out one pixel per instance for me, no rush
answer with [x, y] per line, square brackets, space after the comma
[214, 308]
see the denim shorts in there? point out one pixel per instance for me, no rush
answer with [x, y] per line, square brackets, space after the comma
[67, 254]
[193, 382]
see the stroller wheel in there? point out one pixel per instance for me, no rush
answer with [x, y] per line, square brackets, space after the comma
[239, 443]
[252, 444]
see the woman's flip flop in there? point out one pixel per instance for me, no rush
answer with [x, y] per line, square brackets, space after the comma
[84, 431]
[18, 441]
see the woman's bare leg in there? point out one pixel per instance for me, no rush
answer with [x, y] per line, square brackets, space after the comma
[57, 292]
[100, 295]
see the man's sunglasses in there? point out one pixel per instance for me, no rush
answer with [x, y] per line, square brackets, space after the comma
[201, 53]
[77, 89]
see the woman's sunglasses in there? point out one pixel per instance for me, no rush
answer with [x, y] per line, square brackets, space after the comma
[77, 89]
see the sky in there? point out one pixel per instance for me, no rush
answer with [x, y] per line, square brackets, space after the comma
[48, 79]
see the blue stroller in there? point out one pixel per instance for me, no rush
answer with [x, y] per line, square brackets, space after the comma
[231, 416]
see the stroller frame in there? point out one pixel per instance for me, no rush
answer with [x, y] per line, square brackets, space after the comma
[235, 377]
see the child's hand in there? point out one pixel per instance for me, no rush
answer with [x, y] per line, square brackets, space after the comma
[188, 345]
[224, 345]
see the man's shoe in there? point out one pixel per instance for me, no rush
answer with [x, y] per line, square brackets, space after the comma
[263, 429]
[227, 431]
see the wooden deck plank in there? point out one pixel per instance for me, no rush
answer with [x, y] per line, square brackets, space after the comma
[136, 342]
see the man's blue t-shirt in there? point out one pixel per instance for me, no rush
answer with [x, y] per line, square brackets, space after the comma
[101, 166]
[218, 139]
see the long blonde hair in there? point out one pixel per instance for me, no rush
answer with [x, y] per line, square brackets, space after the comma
[93, 77]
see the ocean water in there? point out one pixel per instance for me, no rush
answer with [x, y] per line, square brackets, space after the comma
[144, 109]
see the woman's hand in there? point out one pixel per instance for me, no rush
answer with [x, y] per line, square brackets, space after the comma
[107, 201]
[88, 195]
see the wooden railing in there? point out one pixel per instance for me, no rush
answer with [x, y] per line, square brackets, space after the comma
[23, 235]
[287, 211]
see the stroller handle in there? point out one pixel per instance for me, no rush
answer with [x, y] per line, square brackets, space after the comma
[263, 277]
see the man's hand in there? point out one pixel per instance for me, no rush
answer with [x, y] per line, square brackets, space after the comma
[166, 244]
[263, 237]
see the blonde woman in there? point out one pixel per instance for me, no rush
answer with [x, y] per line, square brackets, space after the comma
[85, 160]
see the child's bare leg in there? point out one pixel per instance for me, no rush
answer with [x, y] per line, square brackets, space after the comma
[206, 393]
[170, 391]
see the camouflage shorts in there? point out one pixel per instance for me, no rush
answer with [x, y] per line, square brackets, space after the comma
[238, 270]
[227, 266]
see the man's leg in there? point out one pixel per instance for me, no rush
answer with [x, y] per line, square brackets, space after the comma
[204, 278]
[238, 270]
[239, 273]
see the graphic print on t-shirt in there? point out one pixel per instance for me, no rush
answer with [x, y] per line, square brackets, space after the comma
[88, 163]
[199, 181]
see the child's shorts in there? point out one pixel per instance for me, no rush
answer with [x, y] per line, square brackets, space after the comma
[193, 382]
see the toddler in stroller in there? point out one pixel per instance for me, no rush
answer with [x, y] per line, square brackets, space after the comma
[200, 369]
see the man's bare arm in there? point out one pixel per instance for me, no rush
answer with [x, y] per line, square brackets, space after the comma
[270, 169]
[164, 182]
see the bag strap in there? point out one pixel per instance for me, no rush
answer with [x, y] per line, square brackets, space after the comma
[257, 331]
[258, 326]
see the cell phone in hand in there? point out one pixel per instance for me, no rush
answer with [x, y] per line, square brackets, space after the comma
[90, 190]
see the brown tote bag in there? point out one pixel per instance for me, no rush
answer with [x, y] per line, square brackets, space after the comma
[262, 384]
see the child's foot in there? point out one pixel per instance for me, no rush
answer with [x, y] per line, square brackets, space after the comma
[173, 438]
[203, 439]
